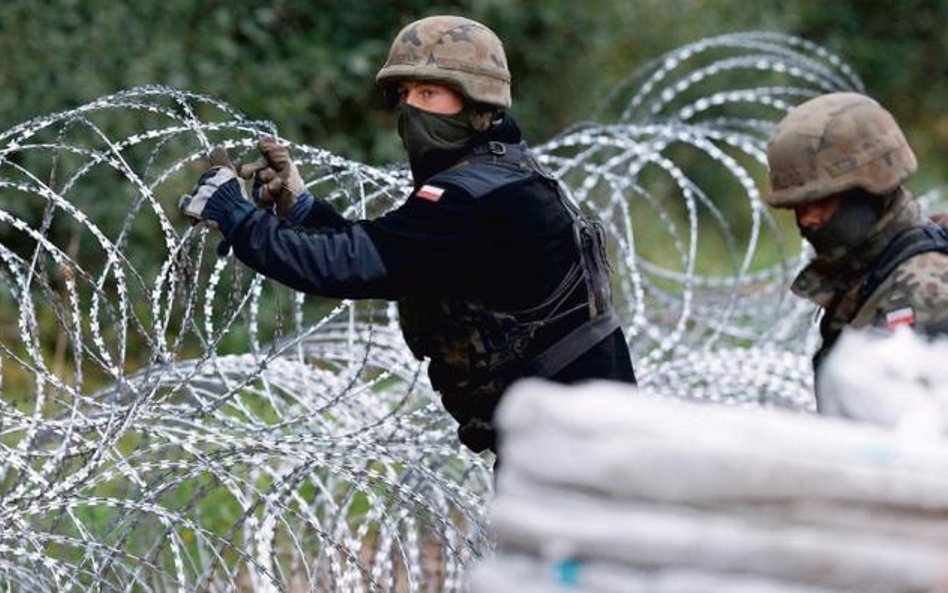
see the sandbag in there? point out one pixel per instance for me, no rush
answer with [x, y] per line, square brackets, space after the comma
[514, 573]
[633, 492]
[609, 438]
[892, 524]
[566, 524]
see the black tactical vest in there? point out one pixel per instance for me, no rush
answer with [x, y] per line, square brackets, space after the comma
[475, 352]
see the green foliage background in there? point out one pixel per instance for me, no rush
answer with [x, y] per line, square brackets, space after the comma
[309, 66]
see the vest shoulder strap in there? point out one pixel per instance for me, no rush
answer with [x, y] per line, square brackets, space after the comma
[573, 345]
[487, 168]
[906, 245]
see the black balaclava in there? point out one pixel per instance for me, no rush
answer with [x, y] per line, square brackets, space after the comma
[434, 141]
[852, 223]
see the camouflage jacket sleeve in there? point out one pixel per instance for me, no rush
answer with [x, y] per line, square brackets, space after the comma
[914, 294]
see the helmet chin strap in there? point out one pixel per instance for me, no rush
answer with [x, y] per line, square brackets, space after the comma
[853, 222]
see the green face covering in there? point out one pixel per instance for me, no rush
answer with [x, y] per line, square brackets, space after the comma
[434, 141]
[851, 224]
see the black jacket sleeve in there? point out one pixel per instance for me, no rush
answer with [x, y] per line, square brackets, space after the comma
[339, 263]
[322, 215]
[380, 258]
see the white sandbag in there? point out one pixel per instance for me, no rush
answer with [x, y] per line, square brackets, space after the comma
[883, 522]
[610, 438]
[707, 473]
[889, 378]
[513, 573]
[568, 524]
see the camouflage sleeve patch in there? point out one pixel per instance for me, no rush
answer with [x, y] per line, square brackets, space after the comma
[915, 294]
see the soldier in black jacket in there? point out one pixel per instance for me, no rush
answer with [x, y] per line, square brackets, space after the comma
[497, 275]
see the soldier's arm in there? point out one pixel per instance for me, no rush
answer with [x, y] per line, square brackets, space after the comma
[315, 213]
[339, 263]
[914, 295]
[362, 259]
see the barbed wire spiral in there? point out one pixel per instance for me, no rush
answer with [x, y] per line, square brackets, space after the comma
[170, 420]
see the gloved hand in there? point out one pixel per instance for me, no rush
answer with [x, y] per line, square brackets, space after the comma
[276, 181]
[217, 199]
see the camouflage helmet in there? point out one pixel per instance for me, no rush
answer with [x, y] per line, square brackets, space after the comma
[834, 143]
[451, 50]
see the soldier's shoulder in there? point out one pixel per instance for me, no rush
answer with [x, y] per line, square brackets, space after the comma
[927, 272]
[480, 179]
[916, 291]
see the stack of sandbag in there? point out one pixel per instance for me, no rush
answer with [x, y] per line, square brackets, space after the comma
[603, 488]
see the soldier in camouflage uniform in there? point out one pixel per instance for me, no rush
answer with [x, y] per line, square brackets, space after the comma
[497, 275]
[839, 161]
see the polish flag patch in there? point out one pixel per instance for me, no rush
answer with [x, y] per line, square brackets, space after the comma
[899, 317]
[430, 193]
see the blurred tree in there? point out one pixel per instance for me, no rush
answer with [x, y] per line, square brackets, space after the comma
[901, 51]
[310, 66]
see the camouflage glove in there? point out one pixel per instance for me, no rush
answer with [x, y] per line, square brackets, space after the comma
[276, 181]
[217, 199]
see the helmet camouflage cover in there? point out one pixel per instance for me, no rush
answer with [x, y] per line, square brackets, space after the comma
[451, 50]
[834, 143]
